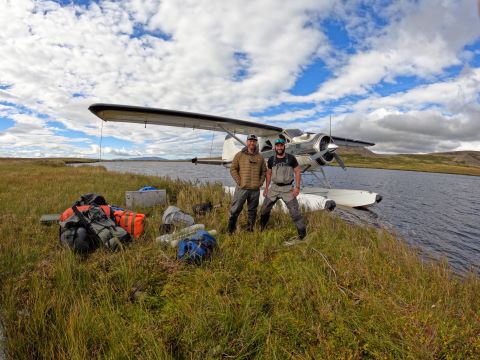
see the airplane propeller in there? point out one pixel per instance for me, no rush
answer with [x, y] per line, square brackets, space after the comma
[326, 152]
[340, 161]
[332, 148]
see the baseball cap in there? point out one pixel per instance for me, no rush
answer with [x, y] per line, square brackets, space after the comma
[279, 141]
[252, 137]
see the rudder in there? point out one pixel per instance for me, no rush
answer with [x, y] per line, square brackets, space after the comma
[229, 148]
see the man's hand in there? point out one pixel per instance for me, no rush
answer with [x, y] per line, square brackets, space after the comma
[265, 192]
[295, 192]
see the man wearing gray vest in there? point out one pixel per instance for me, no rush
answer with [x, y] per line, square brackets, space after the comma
[282, 168]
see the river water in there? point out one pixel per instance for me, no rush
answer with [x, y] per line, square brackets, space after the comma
[438, 213]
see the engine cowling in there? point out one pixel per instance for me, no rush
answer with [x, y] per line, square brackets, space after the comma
[320, 150]
[323, 156]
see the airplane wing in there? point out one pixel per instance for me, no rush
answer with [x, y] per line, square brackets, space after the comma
[349, 142]
[145, 115]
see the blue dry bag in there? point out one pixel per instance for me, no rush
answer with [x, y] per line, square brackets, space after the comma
[197, 248]
[147, 188]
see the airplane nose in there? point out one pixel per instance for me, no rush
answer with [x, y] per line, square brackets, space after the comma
[332, 147]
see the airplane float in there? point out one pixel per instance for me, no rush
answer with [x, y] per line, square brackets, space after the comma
[312, 150]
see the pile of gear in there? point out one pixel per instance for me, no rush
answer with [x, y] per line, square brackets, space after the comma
[179, 229]
[91, 223]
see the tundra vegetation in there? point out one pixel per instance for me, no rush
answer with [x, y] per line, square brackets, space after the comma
[347, 292]
[457, 162]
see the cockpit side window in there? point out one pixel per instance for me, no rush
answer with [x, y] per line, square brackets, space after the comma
[291, 133]
[281, 136]
[267, 146]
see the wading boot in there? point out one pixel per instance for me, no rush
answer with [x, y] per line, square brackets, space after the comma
[297, 239]
[232, 224]
[264, 221]
[302, 233]
[251, 223]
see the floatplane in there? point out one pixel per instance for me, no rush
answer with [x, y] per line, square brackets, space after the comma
[312, 150]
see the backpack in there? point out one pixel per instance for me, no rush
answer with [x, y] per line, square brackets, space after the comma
[69, 212]
[90, 199]
[132, 222]
[197, 248]
[87, 229]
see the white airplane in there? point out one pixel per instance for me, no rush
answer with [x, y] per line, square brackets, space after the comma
[313, 151]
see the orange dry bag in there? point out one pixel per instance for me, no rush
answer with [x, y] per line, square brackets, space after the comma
[69, 212]
[130, 221]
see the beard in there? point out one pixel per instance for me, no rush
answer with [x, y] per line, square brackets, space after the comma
[279, 151]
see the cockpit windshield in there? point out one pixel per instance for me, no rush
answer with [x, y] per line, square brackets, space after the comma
[291, 133]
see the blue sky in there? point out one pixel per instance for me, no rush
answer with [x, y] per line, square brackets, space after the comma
[403, 74]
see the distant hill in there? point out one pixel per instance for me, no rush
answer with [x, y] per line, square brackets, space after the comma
[359, 151]
[471, 158]
[146, 158]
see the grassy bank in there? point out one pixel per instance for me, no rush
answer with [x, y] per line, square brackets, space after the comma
[448, 163]
[348, 292]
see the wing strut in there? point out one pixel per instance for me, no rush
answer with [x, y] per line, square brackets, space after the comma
[325, 180]
[233, 135]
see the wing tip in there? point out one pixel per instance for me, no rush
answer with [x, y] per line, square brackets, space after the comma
[96, 108]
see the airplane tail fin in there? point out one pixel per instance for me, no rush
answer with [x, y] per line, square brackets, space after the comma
[229, 148]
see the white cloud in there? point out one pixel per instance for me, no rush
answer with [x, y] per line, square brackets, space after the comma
[57, 60]
[51, 52]
[423, 43]
[442, 116]
[453, 95]
[298, 115]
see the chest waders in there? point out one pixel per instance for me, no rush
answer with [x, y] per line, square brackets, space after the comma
[281, 188]
[281, 181]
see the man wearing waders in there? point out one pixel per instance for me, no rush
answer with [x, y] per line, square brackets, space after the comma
[248, 170]
[282, 169]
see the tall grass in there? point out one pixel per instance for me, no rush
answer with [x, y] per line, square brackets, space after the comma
[347, 292]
